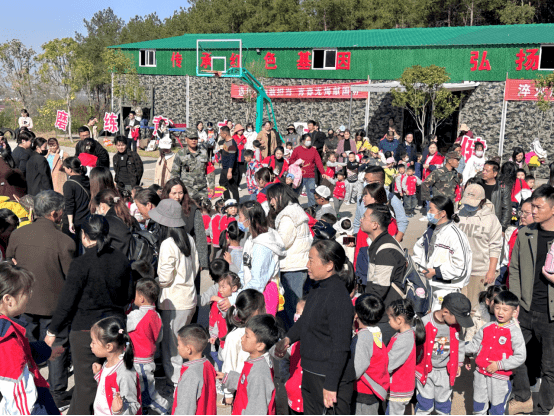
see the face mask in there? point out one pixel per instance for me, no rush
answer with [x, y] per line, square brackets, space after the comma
[249, 130]
[242, 227]
[479, 153]
[308, 143]
[44, 152]
[297, 317]
[470, 208]
[432, 219]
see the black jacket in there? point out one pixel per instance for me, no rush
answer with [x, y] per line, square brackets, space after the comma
[38, 175]
[135, 167]
[318, 139]
[325, 332]
[502, 201]
[98, 151]
[77, 199]
[120, 235]
[20, 157]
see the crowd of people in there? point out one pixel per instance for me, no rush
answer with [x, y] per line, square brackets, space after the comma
[312, 309]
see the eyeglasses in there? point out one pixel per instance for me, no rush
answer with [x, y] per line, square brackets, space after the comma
[523, 213]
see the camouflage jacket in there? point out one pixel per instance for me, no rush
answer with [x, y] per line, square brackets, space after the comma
[191, 169]
[443, 182]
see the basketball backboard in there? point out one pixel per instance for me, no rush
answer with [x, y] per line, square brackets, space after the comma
[214, 57]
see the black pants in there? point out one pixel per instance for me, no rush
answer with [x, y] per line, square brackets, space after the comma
[312, 395]
[231, 185]
[85, 385]
[242, 172]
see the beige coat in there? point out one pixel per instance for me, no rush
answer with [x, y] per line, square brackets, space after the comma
[159, 169]
[262, 137]
[58, 175]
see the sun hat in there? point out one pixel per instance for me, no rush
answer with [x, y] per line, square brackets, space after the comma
[238, 127]
[168, 213]
[464, 127]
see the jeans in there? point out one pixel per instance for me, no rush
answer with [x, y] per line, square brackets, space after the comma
[309, 184]
[538, 325]
[337, 202]
[133, 144]
[410, 202]
[293, 284]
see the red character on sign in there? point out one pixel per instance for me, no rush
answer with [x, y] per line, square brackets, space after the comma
[304, 62]
[529, 59]
[474, 60]
[344, 60]
[235, 60]
[206, 60]
[176, 59]
[110, 122]
[62, 119]
[270, 61]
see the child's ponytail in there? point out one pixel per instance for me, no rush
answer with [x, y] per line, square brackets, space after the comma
[405, 308]
[129, 354]
[112, 331]
[248, 302]
[419, 330]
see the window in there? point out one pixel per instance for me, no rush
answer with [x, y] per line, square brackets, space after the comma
[546, 62]
[147, 57]
[324, 59]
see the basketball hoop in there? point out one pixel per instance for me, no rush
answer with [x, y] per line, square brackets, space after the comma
[216, 74]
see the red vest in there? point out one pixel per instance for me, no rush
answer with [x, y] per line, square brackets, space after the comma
[402, 383]
[217, 317]
[207, 219]
[207, 402]
[224, 223]
[330, 172]
[496, 345]
[294, 383]
[377, 374]
[396, 186]
[270, 161]
[411, 185]
[241, 396]
[425, 353]
[111, 386]
[340, 190]
[215, 229]
[146, 334]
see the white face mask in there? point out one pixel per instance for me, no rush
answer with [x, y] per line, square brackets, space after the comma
[249, 130]
[308, 143]
[479, 153]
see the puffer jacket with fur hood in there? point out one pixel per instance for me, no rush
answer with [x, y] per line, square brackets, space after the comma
[292, 225]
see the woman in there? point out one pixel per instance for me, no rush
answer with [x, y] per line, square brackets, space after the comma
[518, 157]
[100, 178]
[177, 270]
[8, 223]
[346, 144]
[194, 224]
[433, 160]
[443, 251]
[202, 135]
[324, 331]
[362, 142]
[291, 223]
[164, 164]
[277, 163]
[240, 139]
[98, 285]
[38, 175]
[25, 120]
[55, 158]
[121, 222]
[76, 192]
[251, 135]
[12, 181]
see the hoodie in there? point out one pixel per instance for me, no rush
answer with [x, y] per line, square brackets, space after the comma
[292, 225]
[261, 261]
[484, 233]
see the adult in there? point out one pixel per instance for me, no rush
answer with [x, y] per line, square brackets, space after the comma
[97, 150]
[362, 142]
[131, 126]
[376, 174]
[484, 233]
[12, 181]
[92, 127]
[127, 165]
[534, 286]
[443, 251]
[47, 253]
[25, 120]
[325, 333]
[432, 138]
[147, 200]
[98, 285]
[525, 216]
[194, 224]
[433, 161]
[230, 175]
[291, 223]
[331, 143]
[345, 145]
[409, 149]
[38, 175]
[202, 135]
[251, 135]
[318, 137]
[55, 159]
[389, 143]
[518, 157]
[497, 193]
[268, 139]
[475, 164]
[8, 223]
[240, 140]
[190, 166]
[22, 152]
[177, 269]
[76, 193]
[164, 164]
[457, 147]
[311, 159]
[464, 130]
[111, 205]
[292, 136]
[385, 274]
[100, 178]
[444, 180]
[277, 163]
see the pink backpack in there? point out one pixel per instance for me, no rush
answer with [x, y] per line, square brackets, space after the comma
[296, 170]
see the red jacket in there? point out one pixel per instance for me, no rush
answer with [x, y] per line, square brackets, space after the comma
[402, 380]
[270, 161]
[311, 159]
[146, 332]
[241, 396]
[294, 383]
[411, 185]
[216, 219]
[88, 160]
[206, 404]
[340, 190]
[496, 345]
[437, 160]
[207, 219]
[224, 223]
[241, 142]
[330, 172]
[216, 317]
[376, 379]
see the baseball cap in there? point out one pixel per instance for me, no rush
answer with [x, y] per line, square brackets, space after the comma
[192, 135]
[473, 195]
[453, 155]
[374, 149]
[323, 191]
[459, 306]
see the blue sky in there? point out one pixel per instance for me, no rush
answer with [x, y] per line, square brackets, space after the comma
[36, 22]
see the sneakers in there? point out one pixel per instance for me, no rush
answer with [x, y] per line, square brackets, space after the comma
[537, 386]
[347, 203]
[516, 407]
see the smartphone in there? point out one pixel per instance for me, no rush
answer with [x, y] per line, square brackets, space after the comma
[348, 239]
[422, 269]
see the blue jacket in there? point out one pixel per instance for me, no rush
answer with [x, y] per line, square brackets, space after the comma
[387, 146]
[418, 169]
[410, 150]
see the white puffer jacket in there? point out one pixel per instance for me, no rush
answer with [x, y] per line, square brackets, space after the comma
[292, 226]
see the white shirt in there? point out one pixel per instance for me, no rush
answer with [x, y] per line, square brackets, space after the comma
[250, 137]
[26, 122]
[101, 400]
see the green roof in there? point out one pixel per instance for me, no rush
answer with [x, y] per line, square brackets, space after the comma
[444, 36]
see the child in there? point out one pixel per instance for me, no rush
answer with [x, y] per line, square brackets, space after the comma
[288, 150]
[418, 166]
[23, 389]
[484, 312]
[398, 181]
[375, 159]
[206, 206]
[87, 156]
[264, 178]
[133, 207]
[249, 303]
[475, 163]
[144, 326]
[257, 151]
[228, 284]
[334, 165]
[230, 210]
[339, 192]
[289, 180]
[390, 171]
[530, 179]
[217, 269]
[195, 393]
[322, 197]
[345, 232]
[410, 182]
[370, 356]
[252, 167]
[294, 383]
[402, 353]
[500, 348]
[255, 391]
[442, 354]
[231, 250]
[214, 225]
[351, 179]
[118, 383]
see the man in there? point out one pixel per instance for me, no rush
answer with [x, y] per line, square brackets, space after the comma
[376, 174]
[457, 147]
[130, 125]
[190, 165]
[443, 181]
[311, 158]
[230, 175]
[389, 144]
[46, 252]
[497, 193]
[97, 150]
[92, 127]
[386, 261]
[534, 286]
[127, 165]
[408, 148]
[268, 139]
[22, 152]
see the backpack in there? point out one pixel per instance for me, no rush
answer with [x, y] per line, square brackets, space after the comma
[143, 246]
[416, 287]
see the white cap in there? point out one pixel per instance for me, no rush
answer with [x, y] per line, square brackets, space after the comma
[323, 191]
[342, 128]
[165, 143]
[231, 203]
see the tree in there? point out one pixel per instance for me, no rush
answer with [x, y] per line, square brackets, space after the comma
[17, 62]
[126, 85]
[545, 85]
[514, 14]
[423, 95]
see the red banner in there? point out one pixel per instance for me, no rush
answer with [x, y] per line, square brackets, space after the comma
[523, 90]
[303, 91]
